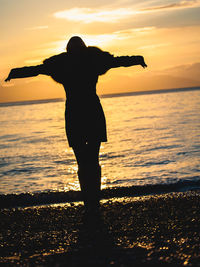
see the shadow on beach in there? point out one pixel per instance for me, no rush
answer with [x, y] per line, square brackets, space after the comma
[97, 245]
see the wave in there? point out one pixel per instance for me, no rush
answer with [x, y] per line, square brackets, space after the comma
[45, 198]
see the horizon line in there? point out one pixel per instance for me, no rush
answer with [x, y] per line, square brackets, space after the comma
[129, 93]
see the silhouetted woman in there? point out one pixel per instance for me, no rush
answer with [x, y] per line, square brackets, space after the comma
[78, 70]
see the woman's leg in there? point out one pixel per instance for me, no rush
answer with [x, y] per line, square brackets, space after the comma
[89, 173]
[87, 154]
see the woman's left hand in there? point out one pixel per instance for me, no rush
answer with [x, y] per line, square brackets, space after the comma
[142, 62]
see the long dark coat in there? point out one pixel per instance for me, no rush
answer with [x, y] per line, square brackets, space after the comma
[78, 72]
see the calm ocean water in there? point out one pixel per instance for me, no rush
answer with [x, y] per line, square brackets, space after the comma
[153, 139]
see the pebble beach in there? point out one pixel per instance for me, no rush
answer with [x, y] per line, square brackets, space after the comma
[151, 230]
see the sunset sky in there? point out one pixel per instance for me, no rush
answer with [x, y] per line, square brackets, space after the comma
[166, 33]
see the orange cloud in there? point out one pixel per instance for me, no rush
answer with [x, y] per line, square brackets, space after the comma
[178, 5]
[113, 15]
[38, 27]
[89, 15]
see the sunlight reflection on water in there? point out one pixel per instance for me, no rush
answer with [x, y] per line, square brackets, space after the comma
[152, 139]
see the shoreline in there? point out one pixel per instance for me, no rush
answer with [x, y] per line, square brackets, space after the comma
[48, 198]
[151, 230]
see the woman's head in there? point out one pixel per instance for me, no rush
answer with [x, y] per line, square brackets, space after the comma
[75, 44]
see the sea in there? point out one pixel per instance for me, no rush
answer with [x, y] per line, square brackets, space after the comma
[153, 147]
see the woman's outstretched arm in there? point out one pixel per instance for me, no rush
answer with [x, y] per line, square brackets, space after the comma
[108, 61]
[27, 72]
[126, 61]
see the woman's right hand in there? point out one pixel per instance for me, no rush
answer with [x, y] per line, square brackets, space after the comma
[7, 79]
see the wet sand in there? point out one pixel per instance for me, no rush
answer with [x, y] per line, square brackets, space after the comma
[159, 230]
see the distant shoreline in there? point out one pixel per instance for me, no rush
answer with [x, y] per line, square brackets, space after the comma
[51, 100]
[30, 102]
[160, 91]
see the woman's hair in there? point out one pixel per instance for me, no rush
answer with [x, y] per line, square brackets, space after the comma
[75, 44]
[58, 65]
